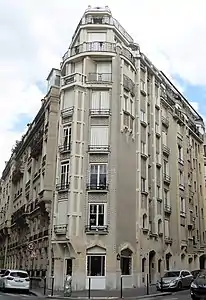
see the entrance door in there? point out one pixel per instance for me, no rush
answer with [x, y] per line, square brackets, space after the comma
[69, 266]
[96, 274]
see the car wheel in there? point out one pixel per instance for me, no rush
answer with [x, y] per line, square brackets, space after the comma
[179, 286]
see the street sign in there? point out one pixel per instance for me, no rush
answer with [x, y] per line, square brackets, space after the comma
[31, 246]
[33, 254]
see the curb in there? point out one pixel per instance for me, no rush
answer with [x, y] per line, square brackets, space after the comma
[98, 298]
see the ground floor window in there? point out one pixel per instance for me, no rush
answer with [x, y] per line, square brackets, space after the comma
[126, 262]
[96, 265]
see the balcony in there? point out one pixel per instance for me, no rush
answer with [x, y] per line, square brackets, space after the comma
[98, 148]
[165, 121]
[182, 213]
[65, 148]
[180, 161]
[166, 150]
[128, 84]
[75, 78]
[168, 240]
[60, 229]
[99, 78]
[90, 229]
[67, 112]
[99, 112]
[168, 209]
[167, 178]
[177, 114]
[37, 143]
[62, 187]
[193, 129]
[97, 187]
[181, 186]
[93, 47]
[19, 215]
[18, 172]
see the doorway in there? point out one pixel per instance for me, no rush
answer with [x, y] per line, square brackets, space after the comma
[69, 267]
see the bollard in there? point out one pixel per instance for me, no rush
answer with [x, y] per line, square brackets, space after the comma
[161, 283]
[89, 291]
[147, 284]
[45, 285]
[52, 287]
[121, 284]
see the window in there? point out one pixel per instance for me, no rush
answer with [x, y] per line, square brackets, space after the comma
[100, 100]
[181, 178]
[179, 152]
[159, 226]
[143, 184]
[166, 197]
[143, 147]
[98, 176]
[144, 221]
[143, 264]
[131, 106]
[142, 85]
[126, 262]
[99, 135]
[97, 216]
[96, 265]
[164, 138]
[142, 116]
[67, 134]
[125, 103]
[64, 174]
[167, 228]
[165, 167]
[159, 265]
[182, 205]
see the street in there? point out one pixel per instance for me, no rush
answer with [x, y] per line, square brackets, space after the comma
[18, 296]
[183, 295]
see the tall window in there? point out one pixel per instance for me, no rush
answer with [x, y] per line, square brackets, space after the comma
[99, 136]
[180, 156]
[98, 176]
[165, 167]
[64, 174]
[67, 135]
[97, 216]
[143, 184]
[95, 265]
[182, 205]
[142, 116]
[167, 233]
[100, 100]
[126, 262]
[166, 197]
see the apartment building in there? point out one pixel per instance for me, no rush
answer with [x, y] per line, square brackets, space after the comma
[27, 188]
[130, 178]
[108, 181]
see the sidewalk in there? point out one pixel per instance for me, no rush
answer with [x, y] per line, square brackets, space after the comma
[137, 293]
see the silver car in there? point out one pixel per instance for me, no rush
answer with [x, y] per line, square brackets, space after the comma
[175, 280]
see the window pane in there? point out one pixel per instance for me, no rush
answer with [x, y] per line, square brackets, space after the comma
[96, 265]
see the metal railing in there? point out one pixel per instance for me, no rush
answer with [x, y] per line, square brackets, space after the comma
[99, 77]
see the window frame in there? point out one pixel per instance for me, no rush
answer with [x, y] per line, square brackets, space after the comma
[66, 181]
[97, 214]
[98, 174]
[66, 139]
[128, 259]
[88, 263]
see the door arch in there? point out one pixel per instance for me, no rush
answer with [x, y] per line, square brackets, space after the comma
[152, 266]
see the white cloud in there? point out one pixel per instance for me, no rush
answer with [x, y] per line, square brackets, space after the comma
[35, 34]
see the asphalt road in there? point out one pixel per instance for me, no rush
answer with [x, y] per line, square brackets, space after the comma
[16, 296]
[183, 295]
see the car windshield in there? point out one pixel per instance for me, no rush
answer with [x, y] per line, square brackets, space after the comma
[202, 275]
[172, 274]
[19, 274]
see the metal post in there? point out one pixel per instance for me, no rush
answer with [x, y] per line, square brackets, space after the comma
[121, 284]
[52, 287]
[147, 284]
[161, 282]
[89, 291]
[32, 268]
[45, 285]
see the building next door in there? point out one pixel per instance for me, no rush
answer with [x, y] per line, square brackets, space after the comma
[96, 268]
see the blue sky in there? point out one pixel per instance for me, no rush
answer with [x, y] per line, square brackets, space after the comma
[34, 35]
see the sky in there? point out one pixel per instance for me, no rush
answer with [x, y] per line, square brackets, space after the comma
[35, 34]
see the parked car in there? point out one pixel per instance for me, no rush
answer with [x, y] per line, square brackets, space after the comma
[175, 280]
[15, 279]
[2, 271]
[195, 273]
[198, 286]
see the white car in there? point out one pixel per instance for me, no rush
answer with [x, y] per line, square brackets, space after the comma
[15, 279]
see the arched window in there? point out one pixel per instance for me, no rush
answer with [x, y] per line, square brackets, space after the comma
[126, 262]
